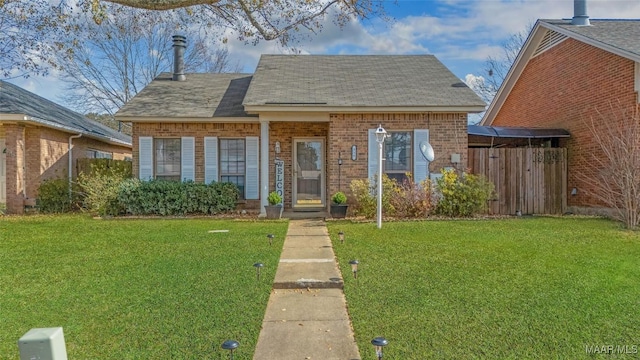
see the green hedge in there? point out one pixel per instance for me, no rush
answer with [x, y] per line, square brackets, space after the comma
[158, 197]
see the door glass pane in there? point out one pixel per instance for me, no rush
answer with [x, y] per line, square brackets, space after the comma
[309, 162]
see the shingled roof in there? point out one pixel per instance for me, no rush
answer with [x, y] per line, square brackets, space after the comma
[201, 95]
[621, 34]
[357, 81]
[15, 100]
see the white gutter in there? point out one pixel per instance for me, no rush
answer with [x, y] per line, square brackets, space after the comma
[71, 159]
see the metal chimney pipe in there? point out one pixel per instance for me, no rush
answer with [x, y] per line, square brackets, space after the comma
[580, 16]
[179, 45]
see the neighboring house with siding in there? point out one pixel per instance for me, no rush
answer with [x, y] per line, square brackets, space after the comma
[564, 75]
[38, 136]
[314, 115]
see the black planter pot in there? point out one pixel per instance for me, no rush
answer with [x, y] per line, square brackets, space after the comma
[338, 211]
[273, 211]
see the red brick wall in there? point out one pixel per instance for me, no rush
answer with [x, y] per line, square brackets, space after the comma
[563, 87]
[198, 131]
[448, 134]
[36, 154]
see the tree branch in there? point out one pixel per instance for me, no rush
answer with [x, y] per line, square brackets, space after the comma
[160, 4]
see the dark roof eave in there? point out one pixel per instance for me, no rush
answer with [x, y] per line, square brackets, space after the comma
[516, 132]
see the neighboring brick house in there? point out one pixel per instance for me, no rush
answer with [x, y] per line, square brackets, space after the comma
[564, 75]
[36, 138]
[314, 115]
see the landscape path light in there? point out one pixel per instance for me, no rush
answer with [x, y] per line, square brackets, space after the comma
[230, 345]
[258, 266]
[354, 268]
[341, 236]
[270, 238]
[379, 343]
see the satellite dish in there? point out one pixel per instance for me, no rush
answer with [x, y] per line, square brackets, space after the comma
[427, 150]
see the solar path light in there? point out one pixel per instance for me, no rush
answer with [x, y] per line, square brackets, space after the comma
[341, 236]
[379, 343]
[230, 345]
[354, 268]
[258, 266]
[270, 237]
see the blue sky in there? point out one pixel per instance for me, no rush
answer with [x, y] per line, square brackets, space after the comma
[461, 33]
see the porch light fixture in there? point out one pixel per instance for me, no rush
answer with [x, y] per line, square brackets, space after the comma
[354, 268]
[381, 134]
[270, 238]
[230, 345]
[379, 343]
[277, 147]
[258, 266]
[341, 236]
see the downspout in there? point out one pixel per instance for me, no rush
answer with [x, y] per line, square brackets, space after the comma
[71, 159]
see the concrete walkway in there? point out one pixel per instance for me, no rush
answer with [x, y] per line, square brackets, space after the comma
[306, 317]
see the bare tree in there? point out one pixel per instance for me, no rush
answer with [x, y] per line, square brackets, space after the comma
[616, 159]
[119, 57]
[497, 66]
[32, 30]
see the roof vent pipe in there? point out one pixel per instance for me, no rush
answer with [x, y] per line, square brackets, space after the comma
[179, 45]
[580, 16]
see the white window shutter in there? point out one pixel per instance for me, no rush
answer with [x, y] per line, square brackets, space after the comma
[252, 180]
[145, 156]
[373, 154]
[187, 159]
[210, 159]
[420, 164]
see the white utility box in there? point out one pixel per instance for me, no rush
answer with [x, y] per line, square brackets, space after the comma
[43, 344]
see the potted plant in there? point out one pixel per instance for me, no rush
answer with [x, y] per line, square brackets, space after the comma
[274, 209]
[339, 205]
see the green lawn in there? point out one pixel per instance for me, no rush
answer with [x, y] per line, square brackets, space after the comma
[136, 289]
[539, 288]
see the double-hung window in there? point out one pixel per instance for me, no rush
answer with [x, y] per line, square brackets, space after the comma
[397, 154]
[402, 155]
[233, 163]
[167, 158]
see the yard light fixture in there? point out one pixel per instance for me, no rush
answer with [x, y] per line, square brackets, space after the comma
[230, 345]
[270, 237]
[341, 237]
[258, 266]
[381, 134]
[379, 343]
[354, 268]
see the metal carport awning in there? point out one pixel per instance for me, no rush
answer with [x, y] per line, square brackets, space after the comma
[516, 132]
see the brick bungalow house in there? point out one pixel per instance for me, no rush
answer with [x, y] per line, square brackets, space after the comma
[310, 117]
[40, 139]
[566, 71]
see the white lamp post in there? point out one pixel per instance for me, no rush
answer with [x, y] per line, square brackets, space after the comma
[381, 134]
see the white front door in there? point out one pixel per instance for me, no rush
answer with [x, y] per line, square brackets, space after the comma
[3, 171]
[308, 173]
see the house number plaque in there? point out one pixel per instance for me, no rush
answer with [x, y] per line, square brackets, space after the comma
[354, 153]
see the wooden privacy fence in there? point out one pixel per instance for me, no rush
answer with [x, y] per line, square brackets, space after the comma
[530, 180]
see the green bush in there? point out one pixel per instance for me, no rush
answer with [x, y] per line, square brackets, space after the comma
[339, 198]
[462, 196]
[159, 197]
[366, 201]
[101, 186]
[53, 196]
[274, 198]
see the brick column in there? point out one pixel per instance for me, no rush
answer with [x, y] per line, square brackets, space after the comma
[15, 144]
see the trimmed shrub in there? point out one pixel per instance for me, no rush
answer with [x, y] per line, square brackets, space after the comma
[462, 196]
[159, 197]
[53, 196]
